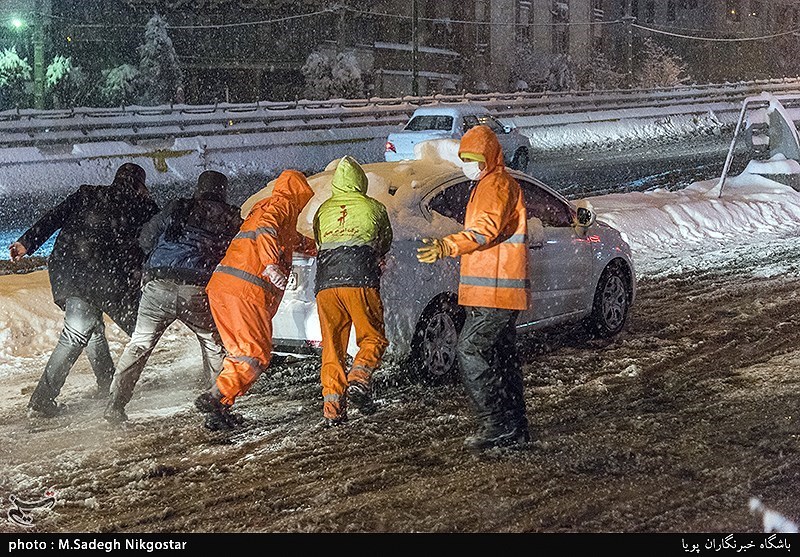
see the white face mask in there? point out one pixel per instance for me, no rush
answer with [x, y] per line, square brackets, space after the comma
[472, 170]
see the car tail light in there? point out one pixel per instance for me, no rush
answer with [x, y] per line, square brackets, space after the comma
[390, 147]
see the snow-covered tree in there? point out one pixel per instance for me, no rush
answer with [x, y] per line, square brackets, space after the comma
[530, 67]
[346, 80]
[119, 85]
[81, 87]
[160, 73]
[65, 84]
[542, 72]
[317, 75]
[561, 75]
[600, 74]
[15, 77]
[337, 78]
[659, 67]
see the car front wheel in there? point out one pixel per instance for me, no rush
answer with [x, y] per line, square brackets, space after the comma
[612, 301]
[433, 350]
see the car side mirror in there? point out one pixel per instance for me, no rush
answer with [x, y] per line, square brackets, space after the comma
[585, 215]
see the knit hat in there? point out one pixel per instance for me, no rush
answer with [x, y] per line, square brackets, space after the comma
[132, 175]
[211, 185]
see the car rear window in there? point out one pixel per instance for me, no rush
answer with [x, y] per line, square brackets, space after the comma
[429, 122]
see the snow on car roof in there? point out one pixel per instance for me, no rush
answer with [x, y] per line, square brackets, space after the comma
[398, 185]
[451, 109]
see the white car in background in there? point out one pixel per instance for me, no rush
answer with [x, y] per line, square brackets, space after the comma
[581, 268]
[451, 121]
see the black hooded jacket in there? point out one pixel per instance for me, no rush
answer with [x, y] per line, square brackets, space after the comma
[96, 255]
[187, 240]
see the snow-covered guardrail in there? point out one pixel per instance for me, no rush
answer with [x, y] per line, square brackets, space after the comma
[19, 128]
[49, 152]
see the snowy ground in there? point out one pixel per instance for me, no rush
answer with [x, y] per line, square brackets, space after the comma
[670, 427]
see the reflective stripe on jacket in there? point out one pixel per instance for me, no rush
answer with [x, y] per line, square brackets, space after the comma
[492, 246]
[268, 236]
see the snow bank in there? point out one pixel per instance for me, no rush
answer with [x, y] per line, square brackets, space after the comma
[663, 228]
[30, 322]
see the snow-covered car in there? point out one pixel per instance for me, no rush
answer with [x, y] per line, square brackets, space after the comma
[581, 268]
[451, 121]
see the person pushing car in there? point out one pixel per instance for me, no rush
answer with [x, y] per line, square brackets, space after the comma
[493, 288]
[353, 234]
[183, 243]
[247, 287]
[95, 269]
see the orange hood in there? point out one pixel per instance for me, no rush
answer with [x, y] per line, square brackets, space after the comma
[483, 141]
[293, 185]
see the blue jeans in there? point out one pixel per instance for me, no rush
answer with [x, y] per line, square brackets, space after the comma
[83, 328]
[163, 301]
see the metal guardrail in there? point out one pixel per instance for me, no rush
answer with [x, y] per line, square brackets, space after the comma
[26, 128]
[757, 129]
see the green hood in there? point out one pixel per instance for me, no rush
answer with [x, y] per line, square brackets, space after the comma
[349, 177]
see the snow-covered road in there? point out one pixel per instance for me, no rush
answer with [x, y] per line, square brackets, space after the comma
[670, 427]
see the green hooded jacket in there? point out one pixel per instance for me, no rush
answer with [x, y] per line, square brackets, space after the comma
[352, 231]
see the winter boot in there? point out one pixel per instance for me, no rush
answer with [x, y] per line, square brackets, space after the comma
[115, 412]
[360, 395]
[334, 422]
[218, 414]
[497, 436]
[222, 419]
[44, 409]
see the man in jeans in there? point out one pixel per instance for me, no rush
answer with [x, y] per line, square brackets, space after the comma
[184, 243]
[95, 268]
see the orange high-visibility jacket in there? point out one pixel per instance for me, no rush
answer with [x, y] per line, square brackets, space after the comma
[492, 246]
[267, 236]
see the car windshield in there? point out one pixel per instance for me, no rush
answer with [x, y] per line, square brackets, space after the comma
[430, 122]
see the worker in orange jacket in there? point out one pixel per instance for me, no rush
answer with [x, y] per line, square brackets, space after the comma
[246, 289]
[493, 288]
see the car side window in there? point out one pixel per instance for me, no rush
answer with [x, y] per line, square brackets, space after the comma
[452, 201]
[493, 124]
[543, 205]
[469, 123]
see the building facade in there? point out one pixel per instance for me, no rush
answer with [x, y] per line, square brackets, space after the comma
[244, 50]
[719, 39]
[248, 50]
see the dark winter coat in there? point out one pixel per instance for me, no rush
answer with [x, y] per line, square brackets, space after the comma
[187, 240]
[96, 255]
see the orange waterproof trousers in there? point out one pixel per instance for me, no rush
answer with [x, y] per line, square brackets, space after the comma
[339, 309]
[245, 326]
